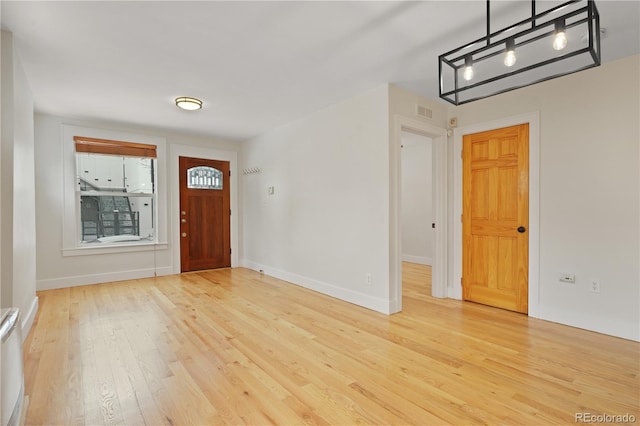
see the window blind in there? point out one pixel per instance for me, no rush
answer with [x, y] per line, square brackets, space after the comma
[110, 147]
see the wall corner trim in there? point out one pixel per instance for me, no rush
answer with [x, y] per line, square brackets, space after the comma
[29, 317]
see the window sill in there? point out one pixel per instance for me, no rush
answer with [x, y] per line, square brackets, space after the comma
[114, 248]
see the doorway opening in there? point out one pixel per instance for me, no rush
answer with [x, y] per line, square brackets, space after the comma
[438, 224]
[418, 224]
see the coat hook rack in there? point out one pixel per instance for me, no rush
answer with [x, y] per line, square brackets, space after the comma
[251, 171]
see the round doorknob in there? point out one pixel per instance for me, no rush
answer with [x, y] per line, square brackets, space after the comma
[521, 229]
[184, 234]
[184, 221]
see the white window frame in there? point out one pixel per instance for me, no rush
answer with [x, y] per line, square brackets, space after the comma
[71, 226]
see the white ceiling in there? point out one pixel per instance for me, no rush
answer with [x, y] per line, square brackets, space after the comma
[256, 65]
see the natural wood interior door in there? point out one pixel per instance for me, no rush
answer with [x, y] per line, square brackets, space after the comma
[205, 214]
[495, 217]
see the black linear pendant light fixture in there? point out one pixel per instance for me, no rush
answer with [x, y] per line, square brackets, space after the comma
[558, 41]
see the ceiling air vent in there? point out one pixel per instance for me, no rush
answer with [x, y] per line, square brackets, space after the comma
[423, 111]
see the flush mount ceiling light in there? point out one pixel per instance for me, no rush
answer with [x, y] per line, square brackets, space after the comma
[190, 104]
[558, 41]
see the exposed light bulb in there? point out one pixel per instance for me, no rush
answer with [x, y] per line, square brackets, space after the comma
[560, 39]
[468, 68]
[510, 56]
[468, 73]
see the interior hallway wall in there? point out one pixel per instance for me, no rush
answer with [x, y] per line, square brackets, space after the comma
[320, 212]
[325, 224]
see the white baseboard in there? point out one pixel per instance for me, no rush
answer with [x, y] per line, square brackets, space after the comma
[78, 280]
[347, 295]
[28, 318]
[629, 331]
[417, 259]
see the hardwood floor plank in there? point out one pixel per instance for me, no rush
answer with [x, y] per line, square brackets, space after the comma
[232, 346]
[134, 382]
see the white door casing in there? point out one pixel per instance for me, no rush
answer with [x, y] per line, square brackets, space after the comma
[439, 271]
[455, 264]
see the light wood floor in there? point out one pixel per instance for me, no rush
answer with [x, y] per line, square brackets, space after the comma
[234, 347]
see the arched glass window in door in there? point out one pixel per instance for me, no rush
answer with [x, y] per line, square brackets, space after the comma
[203, 177]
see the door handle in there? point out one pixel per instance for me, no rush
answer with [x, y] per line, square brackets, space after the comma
[183, 220]
[184, 234]
[521, 229]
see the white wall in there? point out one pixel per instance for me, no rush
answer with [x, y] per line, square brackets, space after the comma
[326, 225]
[417, 215]
[17, 189]
[54, 268]
[589, 192]
[403, 103]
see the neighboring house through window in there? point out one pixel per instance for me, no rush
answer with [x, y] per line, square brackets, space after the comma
[115, 190]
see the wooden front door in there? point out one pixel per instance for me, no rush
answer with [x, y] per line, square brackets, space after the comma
[205, 214]
[495, 220]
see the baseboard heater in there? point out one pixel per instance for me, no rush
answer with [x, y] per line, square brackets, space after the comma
[12, 390]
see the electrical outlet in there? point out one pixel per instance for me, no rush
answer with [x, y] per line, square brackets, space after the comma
[595, 286]
[369, 279]
[567, 278]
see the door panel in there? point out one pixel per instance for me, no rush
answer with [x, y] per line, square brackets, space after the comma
[495, 204]
[202, 248]
[205, 239]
